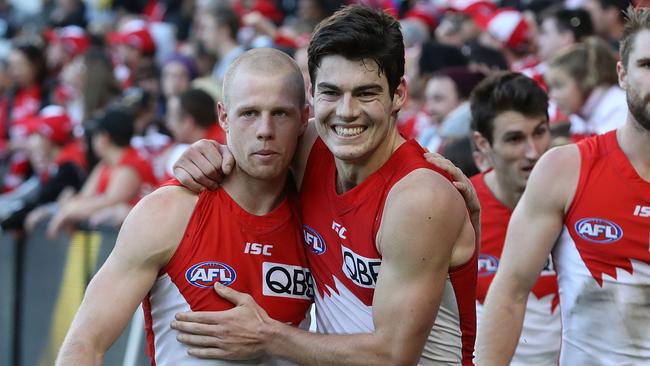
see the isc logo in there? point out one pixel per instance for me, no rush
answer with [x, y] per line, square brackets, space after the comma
[313, 240]
[257, 249]
[284, 280]
[487, 265]
[642, 211]
[361, 270]
[598, 230]
[205, 274]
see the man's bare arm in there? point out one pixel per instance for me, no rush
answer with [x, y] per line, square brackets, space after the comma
[408, 293]
[127, 275]
[534, 227]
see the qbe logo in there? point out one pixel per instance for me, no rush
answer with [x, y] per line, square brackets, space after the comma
[313, 240]
[361, 270]
[285, 280]
[487, 265]
[599, 231]
[205, 274]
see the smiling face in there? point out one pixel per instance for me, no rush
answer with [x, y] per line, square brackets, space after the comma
[518, 142]
[263, 120]
[355, 114]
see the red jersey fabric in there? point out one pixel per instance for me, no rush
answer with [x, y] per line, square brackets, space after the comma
[131, 159]
[340, 232]
[539, 343]
[603, 260]
[216, 133]
[494, 224]
[260, 255]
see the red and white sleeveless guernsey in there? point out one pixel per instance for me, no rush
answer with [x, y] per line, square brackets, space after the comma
[603, 261]
[540, 339]
[340, 232]
[263, 256]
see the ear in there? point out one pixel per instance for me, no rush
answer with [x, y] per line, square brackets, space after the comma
[481, 143]
[622, 75]
[400, 96]
[223, 116]
[304, 119]
[310, 93]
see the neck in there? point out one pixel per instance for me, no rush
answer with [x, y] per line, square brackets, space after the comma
[255, 196]
[634, 140]
[114, 154]
[498, 185]
[350, 174]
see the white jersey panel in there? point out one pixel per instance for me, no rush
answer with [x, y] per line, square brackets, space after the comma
[166, 300]
[597, 320]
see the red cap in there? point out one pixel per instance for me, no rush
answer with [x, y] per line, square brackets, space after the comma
[74, 39]
[509, 27]
[53, 123]
[479, 10]
[425, 13]
[134, 33]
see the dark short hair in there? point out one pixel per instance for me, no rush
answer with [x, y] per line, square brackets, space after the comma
[502, 92]
[619, 5]
[576, 21]
[200, 106]
[357, 33]
[118, 123]
[464, 79]
[226, 16]
[36, 58]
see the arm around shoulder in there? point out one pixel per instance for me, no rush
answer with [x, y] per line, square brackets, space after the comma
[146, 242]
[409, 286]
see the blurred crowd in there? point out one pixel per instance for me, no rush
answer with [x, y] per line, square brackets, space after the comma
[98, 98]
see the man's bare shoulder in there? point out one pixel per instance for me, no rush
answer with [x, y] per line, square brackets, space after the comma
[419, 206]
[156, 225]
[555, 176]
[426, 187]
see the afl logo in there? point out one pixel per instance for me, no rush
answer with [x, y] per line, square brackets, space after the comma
[487, 265]
[313, 240]
[599, 231]
[205, 274]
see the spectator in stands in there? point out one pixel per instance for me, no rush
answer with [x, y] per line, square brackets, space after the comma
[63, 45]
[191, 117]
[150, 137]
[57, 159]
[197, 118]
[583, 82]
[134, 46]
[22, 101]
[217, 31]
[88, 96]
[509, 31]
[177, 73]
[607, 17]
[560, 28]
[446, 103]
[120, 176]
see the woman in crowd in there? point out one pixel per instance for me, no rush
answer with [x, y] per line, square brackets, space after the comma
[582, 81]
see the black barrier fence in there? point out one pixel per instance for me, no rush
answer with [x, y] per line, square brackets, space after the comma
[42, 283]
